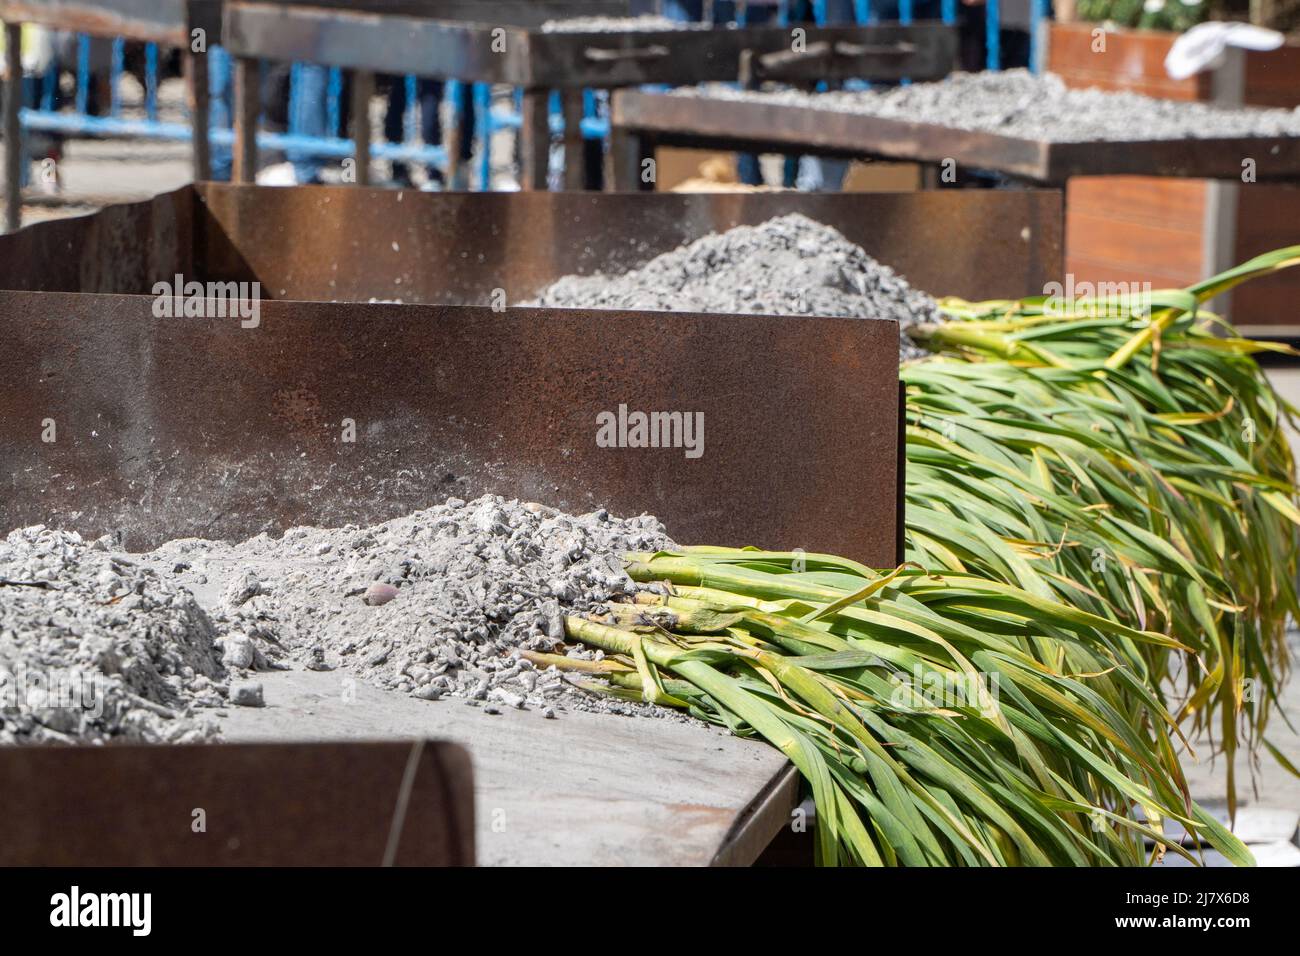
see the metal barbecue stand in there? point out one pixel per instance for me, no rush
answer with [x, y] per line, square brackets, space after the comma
[174, 427]
[643, 120]
[404, 36]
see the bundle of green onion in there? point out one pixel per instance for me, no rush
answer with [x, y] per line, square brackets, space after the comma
[1101, 548]
[1125, 458]
[939, 719]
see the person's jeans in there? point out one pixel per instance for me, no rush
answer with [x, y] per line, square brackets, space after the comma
[307, 109]
[686, 11]
[221, 85]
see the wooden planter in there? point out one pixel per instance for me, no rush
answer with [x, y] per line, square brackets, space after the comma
[1173, 232]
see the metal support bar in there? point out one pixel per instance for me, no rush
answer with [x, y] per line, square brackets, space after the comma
[627, 154]
[13, 93]
[534, 140]
[363, 88]
[247, 107]
[575, 153]
[197, 78]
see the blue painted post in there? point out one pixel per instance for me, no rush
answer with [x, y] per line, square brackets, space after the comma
[49, 84]
[115, 76]
[482, 113]
[410, 115]
[333, 102]
[993, 35]
[83, 73]
[151, 81]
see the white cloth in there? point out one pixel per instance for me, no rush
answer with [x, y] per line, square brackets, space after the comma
[1204, 45]
[37, 49]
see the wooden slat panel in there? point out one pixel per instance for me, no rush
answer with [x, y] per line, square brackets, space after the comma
[1268, 218]
[1176, 203]
[1273, 78]
[1091, 270]
[1132, 60]
[1147, 229]
[1145, 247]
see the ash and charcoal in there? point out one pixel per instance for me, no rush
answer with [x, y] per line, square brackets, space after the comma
[437, 604]
[790, 265]
[94, 645]
[1039, 107]
[642, 24]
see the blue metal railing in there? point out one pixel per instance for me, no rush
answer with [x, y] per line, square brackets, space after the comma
[46, 116]
[488, 119]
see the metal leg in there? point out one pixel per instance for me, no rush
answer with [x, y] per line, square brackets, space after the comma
[453, 132]
[13, 94]
[247, 107]
[198, 93]
[627, 153]
[363, 88]
[535, 140]
[575, 155]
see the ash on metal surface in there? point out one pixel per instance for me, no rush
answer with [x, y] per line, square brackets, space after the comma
[435, 604]
[790, 265]
[94, 645]
[1021, 104]
[642, 24]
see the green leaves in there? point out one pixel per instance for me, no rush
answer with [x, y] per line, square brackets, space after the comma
[1133, 466]
[927, 739]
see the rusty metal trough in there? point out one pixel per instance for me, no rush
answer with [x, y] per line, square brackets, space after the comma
[113, 419]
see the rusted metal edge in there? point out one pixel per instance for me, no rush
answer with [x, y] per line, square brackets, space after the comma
[160, 21]
[353, 803]
[498, 50]
[700, 120]
[750, 835]
[459, 247]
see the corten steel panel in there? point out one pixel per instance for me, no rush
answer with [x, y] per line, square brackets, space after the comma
[355, 244]
[317, 804]
[179, 427]
[733, 124]
[121, 248]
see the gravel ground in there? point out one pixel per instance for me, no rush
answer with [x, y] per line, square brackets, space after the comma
[790, 265]
[154, 646]
[1018, 103]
